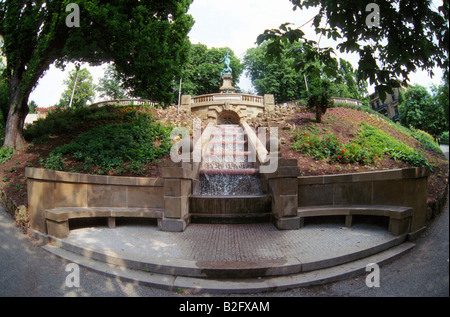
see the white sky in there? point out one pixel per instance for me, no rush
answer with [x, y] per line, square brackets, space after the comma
[232, 23]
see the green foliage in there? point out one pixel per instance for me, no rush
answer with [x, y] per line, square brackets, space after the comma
[275, 76]
[286, 75]
[370, 145]
[202, 72]
[382, 142]
[84, 89]
[420, 111]
[54, 162]
[444, 138]
[441, 98]
[111, 146]
[110, 84]
[425, 139]
[6, 153]
[312, 144]
[32, 105]
[70, 121]
[411, 36]
[330, 148]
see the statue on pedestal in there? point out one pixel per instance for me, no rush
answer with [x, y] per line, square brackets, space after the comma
[225, 74]
[226, 60]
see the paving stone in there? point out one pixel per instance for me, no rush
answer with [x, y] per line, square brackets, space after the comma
[228, 243]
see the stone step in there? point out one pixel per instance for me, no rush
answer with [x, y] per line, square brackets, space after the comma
[237, 171]
[230, 153]
[235, 218]
[120, 267]
[227, 134]
[228, 142]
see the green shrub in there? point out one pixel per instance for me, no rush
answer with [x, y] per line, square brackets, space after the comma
[110, 146]
[71, 121]
[6, 154]
[319, 147]
[444, 138]
[370, 145]
[382, 143]
[329, 147]
[54, 162]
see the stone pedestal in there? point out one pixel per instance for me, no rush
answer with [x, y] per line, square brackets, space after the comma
[227, 84]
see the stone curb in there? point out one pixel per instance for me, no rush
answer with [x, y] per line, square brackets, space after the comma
[202, 285]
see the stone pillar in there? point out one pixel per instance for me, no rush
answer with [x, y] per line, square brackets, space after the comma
[40, 196]
[177, 189]
[283, 188]
[185, 105]
[269, 103]
[227, 84]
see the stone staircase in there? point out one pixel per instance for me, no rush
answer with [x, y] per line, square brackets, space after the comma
[230, 187]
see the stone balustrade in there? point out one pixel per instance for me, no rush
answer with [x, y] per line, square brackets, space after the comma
[125, 102]
[233, 97]
[214, 105]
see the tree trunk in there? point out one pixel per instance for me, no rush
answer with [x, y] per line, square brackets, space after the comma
[18, 110]
[319, 113]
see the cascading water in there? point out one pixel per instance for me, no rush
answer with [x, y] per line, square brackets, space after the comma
[226, 170]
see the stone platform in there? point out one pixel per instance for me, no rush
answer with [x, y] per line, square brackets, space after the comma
[231, 258]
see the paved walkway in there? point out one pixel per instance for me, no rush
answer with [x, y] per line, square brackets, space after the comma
[246, 245]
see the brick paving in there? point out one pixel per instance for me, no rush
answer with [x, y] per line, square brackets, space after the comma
[234, 242]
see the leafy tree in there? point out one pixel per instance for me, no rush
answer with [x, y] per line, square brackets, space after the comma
[411, 35]
[316, 64]
[202, 73]
[110, 84]
[32, 106]
[275, 76]
[351, 86]
[280, 77]
[147, 40]
[441, 97]
[84, 89]
[420, 111]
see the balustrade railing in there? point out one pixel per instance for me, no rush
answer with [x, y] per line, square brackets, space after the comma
[212, 98]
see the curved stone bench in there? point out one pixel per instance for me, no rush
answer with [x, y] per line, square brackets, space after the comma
[399, 217]
[57, 219]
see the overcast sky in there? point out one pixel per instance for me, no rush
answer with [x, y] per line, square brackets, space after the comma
[232, 23]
